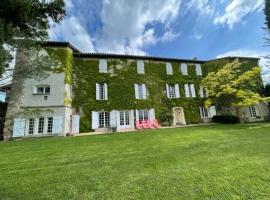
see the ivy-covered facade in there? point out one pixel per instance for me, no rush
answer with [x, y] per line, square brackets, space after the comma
[104, 91]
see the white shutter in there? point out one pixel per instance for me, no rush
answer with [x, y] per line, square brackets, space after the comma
[201, 92]
[144, 90]
[57, 125]
[75, 125]
[177, 93]
[35, 89]
[137, 114]
[152, 114]
[192, 89]
[103, 66]
[187, 93]
[198, 69]
[97, 92]
[184, 69]
[206, 92]
[169, 69]
[106, 91]
[136, 91]
[19, 127]
[131, 118]
[113, 119]
[118, 119]
[212, 111]
[167, 91]
[95, 120]
[140, 67]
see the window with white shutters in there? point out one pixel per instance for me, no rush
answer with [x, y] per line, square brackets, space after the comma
[124, 118]
[187, 90]
[104, 119]
[141, 91]
[252, 111]
[103, 66]
[204, 112]
[143, 114]
[31, 125]
[140, 67]
[184, 69]
[198, 69]
[172, 91]
[102, 91]
[192, 90]
[169, 70]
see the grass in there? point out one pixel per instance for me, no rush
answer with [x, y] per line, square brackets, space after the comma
[208, 162]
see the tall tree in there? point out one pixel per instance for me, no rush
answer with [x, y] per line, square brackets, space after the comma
[267, 13]
[23, 21]
[230, 88]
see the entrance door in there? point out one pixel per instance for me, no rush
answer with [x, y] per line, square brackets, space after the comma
[178, 116]
[124, 119]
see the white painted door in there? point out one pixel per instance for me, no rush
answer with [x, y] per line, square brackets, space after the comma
[57, 125]
[19, 127]
[124, 117]
[75, 125]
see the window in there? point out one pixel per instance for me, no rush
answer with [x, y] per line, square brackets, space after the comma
[124, 118]
[184, 69]
[143, 114]
[31, 126]
[103, 66]
[50, 124]
[41, 125]
[104, 119]
[42, 90]
[203, 92]
[101, 91]
[252, 111]
[141, 91]
[190, 90]
[198, 69]
[171, 91]
[140, 67]
[169, 70]
[204, 112]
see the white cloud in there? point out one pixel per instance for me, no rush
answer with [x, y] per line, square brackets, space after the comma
[264, 62]
[205, 7]
[72, 31]
[128, 25]
[198, 36]
[169, 35]
[237, 10]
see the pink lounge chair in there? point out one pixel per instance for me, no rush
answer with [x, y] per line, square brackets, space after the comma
[144, 124]
[156, 124]
[138, 125]
[148, 122]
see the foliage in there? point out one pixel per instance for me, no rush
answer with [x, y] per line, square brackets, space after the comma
[23, 21]
[226, 119]
[229, 86]
[206, 162]
[266, 90]
[267, 13]
[121, 79]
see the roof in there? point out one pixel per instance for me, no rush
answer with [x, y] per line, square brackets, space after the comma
[78, 53]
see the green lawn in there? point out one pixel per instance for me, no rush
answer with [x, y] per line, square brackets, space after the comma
[208, 162]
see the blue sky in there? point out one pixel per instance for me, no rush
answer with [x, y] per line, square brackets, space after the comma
[205, 29]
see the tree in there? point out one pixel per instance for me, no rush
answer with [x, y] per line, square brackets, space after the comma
[230, 88]
[267, 13]
[25, 21]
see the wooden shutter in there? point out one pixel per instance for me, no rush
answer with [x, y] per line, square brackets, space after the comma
[137, 114]
[57, 125]
[95, 120]
[152, 114]
[140, 67]
[187, 93]
[75, 125]
[192, 89]
[136, 91]
[97, 92]
[19, 127]
[177, 93]
[201, 92]
[106, 91]
[212, 111]
[113, 118]
[167, 91]
[103, 66]
[184, 69]
[198, 69]
[131, 118]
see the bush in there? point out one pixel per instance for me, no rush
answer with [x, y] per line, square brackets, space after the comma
[226, 119]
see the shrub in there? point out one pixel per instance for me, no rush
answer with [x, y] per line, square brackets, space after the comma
[226, 119]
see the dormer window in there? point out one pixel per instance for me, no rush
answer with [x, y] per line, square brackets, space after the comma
[45, 89]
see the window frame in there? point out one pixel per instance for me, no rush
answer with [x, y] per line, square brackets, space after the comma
[31, 126]
[252, 111]
[49, 124]
[104, 119]
[42, 89]
[41, 123]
